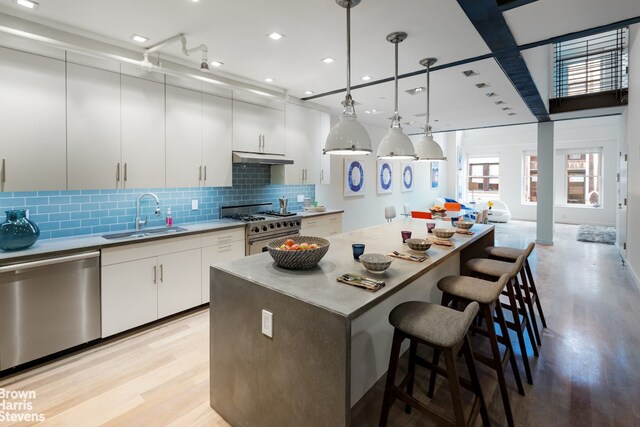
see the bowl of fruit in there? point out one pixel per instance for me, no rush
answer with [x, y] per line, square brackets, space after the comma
[437, 210]
[299, 252]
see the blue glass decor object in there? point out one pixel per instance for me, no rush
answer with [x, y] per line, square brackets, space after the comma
[18, 232]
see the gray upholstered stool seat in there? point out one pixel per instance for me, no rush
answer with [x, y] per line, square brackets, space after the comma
[490, 267]
[471, 288]
[504, 252]
[433, 323]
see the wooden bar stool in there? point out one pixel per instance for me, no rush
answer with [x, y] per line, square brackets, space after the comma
[491, 269]
[445, 330]
[505, 253]
[465, 290]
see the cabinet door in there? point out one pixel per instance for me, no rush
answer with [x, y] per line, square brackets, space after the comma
[129, 295]
[32, 120]
[334, 224]
[143, 148]
[217, 254]
[257, 129]
[325, 159]
[93, 128]
[216, 141]
[314, 226]
[184, 137]
[179, 282]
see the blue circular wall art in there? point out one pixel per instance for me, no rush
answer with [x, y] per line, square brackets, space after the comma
[407, 176]
[355, 176]
[385, 176]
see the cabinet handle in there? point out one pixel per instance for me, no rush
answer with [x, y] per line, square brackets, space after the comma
[125, 172]
[200, 173]
[3, 173]
[161, 273]
[321, 175]
[225, 247]
[205, 172]
[259, 143]
[155, 275]
[118, 172]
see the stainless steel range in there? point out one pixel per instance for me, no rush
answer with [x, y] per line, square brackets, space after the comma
[263, 224]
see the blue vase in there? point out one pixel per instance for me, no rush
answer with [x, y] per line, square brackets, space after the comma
[18, 232]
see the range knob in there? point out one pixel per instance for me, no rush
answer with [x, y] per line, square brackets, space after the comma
[264, 228]
[290, 223]
[255, 229]
[297, 223]
[271, 226]
[278, 225]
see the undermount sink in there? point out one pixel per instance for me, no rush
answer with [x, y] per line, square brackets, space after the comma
[136, 234]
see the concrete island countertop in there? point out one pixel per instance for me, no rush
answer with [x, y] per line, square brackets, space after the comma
[66, 245]
[318, 286]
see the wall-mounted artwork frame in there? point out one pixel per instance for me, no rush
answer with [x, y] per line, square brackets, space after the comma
[384, 177]
[435, 174]
[354, 177]
[407, 177]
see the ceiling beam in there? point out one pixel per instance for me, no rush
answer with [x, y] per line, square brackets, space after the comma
[487, 18]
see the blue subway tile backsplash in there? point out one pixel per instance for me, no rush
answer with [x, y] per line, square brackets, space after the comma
[76, 213]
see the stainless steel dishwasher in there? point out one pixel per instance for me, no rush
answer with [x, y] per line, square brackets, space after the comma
[47, 306]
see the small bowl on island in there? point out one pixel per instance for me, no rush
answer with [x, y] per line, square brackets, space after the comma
[443, 233]
[463, 225]
[419, 245]
[375, 263]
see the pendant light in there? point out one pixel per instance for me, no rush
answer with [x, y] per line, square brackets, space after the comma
[348, 137]
[427, 149]
[396, 144]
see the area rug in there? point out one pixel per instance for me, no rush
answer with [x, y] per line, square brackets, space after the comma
[597, 234]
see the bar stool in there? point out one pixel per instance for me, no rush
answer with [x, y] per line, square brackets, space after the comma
[443, 329]
[491, 269]
[505, 253]
[465, 290]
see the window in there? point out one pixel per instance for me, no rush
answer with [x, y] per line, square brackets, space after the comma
[584, 181]
[530, 193]
[484, 178]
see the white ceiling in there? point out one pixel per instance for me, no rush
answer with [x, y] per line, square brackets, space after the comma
[235, 32]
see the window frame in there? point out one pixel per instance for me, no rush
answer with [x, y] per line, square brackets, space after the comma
[526, 177]
[562, 202]
[470, 161]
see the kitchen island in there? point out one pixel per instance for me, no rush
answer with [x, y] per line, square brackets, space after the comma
[330, 341]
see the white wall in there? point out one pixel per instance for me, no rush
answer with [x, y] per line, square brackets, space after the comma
[510, 142]
[633, 141]
[368, 210]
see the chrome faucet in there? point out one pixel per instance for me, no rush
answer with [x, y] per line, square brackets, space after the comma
[142, 222]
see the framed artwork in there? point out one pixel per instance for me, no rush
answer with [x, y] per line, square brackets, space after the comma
[384, 177]
[407, 177]
[353, 178]
[435, 174]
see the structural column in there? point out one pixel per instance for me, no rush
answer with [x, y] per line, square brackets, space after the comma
[545, 217]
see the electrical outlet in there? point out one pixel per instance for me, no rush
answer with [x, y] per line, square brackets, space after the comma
[300, 198]
[267, 323]
[194, 205]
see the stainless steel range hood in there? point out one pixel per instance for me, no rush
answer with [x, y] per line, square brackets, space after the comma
[264, 159]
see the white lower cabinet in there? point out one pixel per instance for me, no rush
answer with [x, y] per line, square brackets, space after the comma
[219, 246]
[147, 281]
[322, 225]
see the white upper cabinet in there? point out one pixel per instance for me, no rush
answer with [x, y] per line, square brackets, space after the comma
[93, 128]
[32, 122]
[184, 137]
[257, 129]
[216, 141]
[143, 145]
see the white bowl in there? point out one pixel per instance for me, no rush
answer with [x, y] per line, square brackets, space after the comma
[375, 263]
[443, 233]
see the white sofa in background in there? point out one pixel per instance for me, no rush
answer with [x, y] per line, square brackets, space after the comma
[498, 213]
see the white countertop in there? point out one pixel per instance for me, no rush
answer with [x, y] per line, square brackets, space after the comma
[306, 214]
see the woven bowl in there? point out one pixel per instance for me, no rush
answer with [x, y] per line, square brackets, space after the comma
[418, 244]
[375, 263]
[443, 233]
[298, 260]
[463, 225]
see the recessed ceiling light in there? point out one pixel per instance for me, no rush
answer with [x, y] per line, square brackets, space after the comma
[469, 73]
[506, 108]
[269, 80]
[195, 1]
[481, 85]
[309, 92]
[216, 63]
[491, 94]
[499, 102]
[327, 60]
[139, 38]
[512, 114]
[275, 36]
[365, 78]
[416, 90]
[367, 112]
[28, 4]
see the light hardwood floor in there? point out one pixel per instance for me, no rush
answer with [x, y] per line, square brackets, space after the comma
[588, 372]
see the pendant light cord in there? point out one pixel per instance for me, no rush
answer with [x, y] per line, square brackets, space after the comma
[427, 127]
[396, 117]
[348, 100]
